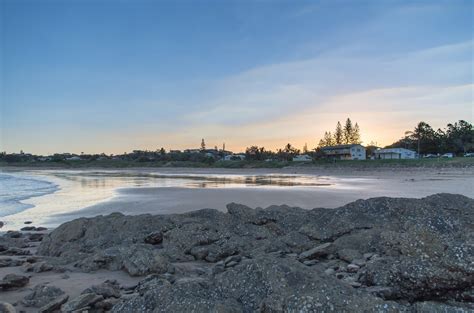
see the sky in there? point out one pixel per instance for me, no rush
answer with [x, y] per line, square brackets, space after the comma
[112, 76]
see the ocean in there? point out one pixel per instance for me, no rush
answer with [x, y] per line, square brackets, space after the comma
[14, 189]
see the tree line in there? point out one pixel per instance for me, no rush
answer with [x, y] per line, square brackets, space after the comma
[349, 134]
[457, 138]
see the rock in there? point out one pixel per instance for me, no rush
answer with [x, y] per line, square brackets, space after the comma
[35, 237]
[13, 281]
[108, 289]
[54, 305]
[368, 256]
[290, 285]
[386, 254]
[329, 271]
[33, 228]
[359, 262]
[32, 259]
[81, 302]
[13, 234]
[414, 279]
[37, 267]
[42, 295]
[231, 264]
[341, 275]
[349, 255]
[352, 268]
[199, 252]
[1, 224]
[233, 258]
[28, 222]
[380, 291]
[106, 304]
[310, 262]
[438, 307]
[218, 268]
[316, 252]
[6, 307]
[354, 284]
[154, 238]
[15, 251]
[137, 260]
[9, 262]
[141, 262]
[28, 228]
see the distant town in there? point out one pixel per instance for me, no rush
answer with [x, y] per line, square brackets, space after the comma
[456, 140]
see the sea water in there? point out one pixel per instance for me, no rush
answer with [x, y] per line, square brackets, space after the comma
[15, 188]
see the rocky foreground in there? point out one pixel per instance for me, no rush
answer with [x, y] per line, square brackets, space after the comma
[376, 255]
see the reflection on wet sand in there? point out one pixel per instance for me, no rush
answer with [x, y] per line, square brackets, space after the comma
[106, 180]
[81, 189]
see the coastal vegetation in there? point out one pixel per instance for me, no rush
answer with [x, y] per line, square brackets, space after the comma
[347, 135]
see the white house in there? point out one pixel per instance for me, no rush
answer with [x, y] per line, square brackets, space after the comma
[302, 158]
[234, 157]
[345, 152]
[74, 158]
[394, 153]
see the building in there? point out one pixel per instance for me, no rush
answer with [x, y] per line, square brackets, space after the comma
[74, 158]
[302, 158]
[192, 151]
[345, 152]
[234, 157]
[394, 153]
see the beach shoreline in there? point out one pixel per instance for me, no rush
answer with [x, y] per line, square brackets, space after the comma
[214, 188]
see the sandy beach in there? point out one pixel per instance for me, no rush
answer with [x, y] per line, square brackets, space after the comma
[342, 188]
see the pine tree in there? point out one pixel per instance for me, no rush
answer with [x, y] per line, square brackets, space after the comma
[328, 139]
[203, 144]
[347, 132]
[338, 136]
[305, 148]
[356, 135]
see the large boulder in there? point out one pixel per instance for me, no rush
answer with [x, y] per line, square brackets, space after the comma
[41, 295]
[264, 284]
[83, 302]
[13, 281]
[137, 260]
[108, 289]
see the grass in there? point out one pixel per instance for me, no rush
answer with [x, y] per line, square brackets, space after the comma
[365, 164]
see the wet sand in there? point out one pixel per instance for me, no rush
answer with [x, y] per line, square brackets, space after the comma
[343, 187]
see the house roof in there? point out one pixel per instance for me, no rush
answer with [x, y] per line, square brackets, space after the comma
[393, 150]
[341, 147]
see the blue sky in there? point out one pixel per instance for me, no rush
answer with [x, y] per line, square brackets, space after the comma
[114, 76]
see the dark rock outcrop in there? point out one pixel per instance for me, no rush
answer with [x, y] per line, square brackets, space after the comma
[375, 255]
[81, 303]
[41, 295]
[13, 281]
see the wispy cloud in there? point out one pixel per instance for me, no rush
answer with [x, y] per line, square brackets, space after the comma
[276, 90]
